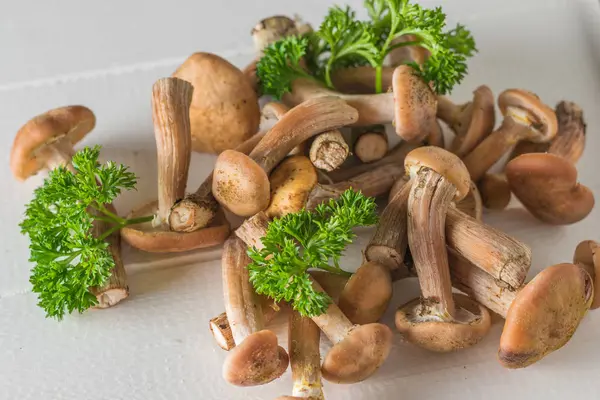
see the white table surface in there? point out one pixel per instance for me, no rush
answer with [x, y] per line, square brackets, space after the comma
[156, 345]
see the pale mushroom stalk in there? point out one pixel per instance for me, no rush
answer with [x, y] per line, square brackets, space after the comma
[305, 358]
[257, 359]
[360, 80]
[370, 144]
[240, 182]
[587, 256]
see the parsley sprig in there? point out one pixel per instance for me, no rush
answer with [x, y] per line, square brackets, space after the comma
[304, 240]
[68, 258]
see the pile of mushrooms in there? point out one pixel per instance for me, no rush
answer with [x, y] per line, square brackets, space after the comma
[323, 142]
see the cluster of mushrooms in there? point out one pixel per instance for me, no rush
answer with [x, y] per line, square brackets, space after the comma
[323, 142]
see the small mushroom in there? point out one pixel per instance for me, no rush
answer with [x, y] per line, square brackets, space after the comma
[547, 186]
[472, 122]
[411, 106]
[170, 111]
[409, 52]
[587, 256]
[371, 144]
[224, 109]
[240, 182]
[525, 118]
[495, 191]
[545, 314]
[257, 358]
[46, 142]
[272, 29]
[305, 358]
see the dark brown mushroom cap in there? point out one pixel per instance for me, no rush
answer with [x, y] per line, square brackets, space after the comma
[160, 239]
[495, 191]
[415, 105]
[472, 322]
[545, 314]
[72, 123]
[359, 355]
[366, 294]
[540, 118]
[255, 361]
[587, 253]
[444, 163]
[547, 186]
[240, 184]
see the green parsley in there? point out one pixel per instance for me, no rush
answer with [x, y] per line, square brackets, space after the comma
[300, 241]
[68, 258]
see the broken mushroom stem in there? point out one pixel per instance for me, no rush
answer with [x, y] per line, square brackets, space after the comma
[370, 144]
[257, 359]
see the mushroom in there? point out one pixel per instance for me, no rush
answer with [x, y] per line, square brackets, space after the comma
[291, 183]
[472, 122]
[305, 358]
[240, 182]
[46, 142]
[371, 144]
[472, 203]
[547, 186]
[257, 359]
[587, 256]
[545, 314]
[525, 118]
[170, 110]
[407, 53]
[495, 191]
[224, 108]
[411, 106]
[272, 29]
[439, 320]
[361, 80]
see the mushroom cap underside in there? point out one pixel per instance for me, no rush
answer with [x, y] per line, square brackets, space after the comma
[481, 122]
[588, 254]
[533, 113]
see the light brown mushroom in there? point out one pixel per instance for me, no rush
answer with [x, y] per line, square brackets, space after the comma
[547, 186]
[224, 108]
[240, 182]
[371, 143]
[46, 142]
[272, 29]
[411, 106]
[472, 204]
[525, 118]
[170, 110]
[407, 53]
[439, 320]
[257, 358]
[495, 191]
[587, 256]
[471, 122]
[305, 358]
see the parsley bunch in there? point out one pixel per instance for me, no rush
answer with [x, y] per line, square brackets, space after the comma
[300, 241]
[68, 258]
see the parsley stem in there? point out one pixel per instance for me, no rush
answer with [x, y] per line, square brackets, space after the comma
[139, 220]
[378, 79]
[115, 218]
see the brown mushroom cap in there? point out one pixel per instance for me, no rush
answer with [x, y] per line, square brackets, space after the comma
[359, 355]
[419, 326]
[240, 184]
[159, 239]
[224, 110]
[587, 253]
[71, 123]
[547, 186]
[415, 105]
[495, 191]
[527, 109]
[545, 314]
[255, 361]
[481, 124]
[366, 294]
[444, 163]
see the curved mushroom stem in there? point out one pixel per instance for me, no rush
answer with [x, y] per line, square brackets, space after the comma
[305, 358]
[454, 115]
[58, 154]
[197, 210]
[428, 202]
[171, 100]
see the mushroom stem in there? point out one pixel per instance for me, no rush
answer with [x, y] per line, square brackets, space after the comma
[171, 100]
[305, 358]
[328, 150]
[361, 80]
[334, 324]
[58, 154]
[451, 113]
[428, 203]
[253, 230]
[371, 144]
[197, 210]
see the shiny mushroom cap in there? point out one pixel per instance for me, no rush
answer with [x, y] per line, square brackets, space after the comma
[415, 105]
[240, 184]
[359, 355]
[72, 123]
[367, 294]
[526, 109]
[547, 186]
[444, 163]
[224, 110]
[255, 361]
[417, 323]
[545, 314]
[587, 254]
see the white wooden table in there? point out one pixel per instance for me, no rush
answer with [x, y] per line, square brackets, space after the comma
[156, 345]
